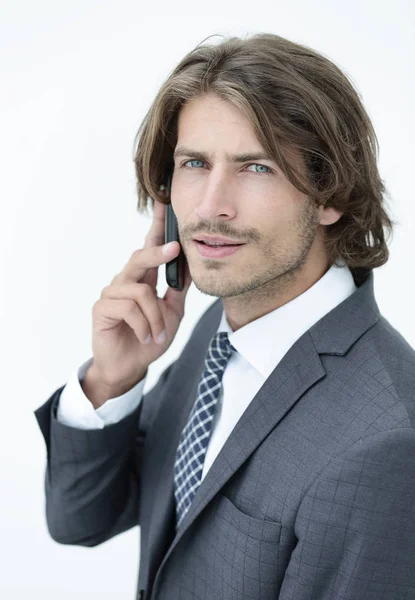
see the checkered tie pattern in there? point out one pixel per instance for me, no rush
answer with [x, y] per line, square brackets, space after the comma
[194, 439]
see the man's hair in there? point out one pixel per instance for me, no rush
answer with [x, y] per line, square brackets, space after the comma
[296, 100]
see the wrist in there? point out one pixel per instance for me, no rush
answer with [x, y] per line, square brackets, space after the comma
[98, 392]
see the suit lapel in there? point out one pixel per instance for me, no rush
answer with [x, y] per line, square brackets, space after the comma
[299, 369]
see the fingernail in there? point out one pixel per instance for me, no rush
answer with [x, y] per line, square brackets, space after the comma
[148, 339]
[161, 338]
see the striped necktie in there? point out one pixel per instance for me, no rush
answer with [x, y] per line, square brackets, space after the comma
[194, 438]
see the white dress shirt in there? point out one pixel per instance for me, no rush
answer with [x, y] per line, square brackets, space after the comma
[260, 345]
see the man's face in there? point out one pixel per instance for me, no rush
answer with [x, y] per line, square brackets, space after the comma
[250, 201]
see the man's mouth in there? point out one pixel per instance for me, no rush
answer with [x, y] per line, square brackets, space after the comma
[215, 244]
[210, 250]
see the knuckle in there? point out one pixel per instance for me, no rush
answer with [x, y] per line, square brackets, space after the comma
[95, 307]
[105, 291]
[146, 291]
[131, 306]
[136, 254]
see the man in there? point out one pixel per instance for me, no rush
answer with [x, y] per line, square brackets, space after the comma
[275, 458]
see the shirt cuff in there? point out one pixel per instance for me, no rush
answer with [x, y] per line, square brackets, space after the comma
[74, 408]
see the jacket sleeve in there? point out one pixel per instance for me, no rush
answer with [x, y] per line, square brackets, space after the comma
[92, 477]
[356, 525]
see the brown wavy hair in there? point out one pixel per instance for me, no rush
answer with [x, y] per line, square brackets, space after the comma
[296, 99]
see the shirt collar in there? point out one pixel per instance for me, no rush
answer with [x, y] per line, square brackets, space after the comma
[264, 341]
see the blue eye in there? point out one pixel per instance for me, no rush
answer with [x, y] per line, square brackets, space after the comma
[193, 160]
[262, 166]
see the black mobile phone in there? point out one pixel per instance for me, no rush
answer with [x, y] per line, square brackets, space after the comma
[175, 267]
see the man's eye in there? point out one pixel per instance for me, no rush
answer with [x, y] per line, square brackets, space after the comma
[262, 166]
[191, 160]
[196, 160]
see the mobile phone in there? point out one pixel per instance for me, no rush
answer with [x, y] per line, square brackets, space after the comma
[175, 267]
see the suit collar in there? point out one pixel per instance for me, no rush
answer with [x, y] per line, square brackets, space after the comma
[341, 327]
[265, 340]
[359, 311]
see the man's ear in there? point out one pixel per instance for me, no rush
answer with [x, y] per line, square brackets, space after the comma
[329, 215]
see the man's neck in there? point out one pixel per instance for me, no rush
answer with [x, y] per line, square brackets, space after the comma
[254, 304]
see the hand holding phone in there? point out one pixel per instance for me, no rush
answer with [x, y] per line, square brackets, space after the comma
[128, 312]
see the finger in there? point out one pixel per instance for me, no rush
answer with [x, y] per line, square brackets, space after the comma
[144, 259]
[156, 233]
[123, 310]
[146, 300]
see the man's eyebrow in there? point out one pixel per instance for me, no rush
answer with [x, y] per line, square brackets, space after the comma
[236, 158]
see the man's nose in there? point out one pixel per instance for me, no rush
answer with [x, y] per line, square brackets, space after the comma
[216, 198]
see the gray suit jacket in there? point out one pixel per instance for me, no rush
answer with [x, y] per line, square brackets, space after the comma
[312, 497]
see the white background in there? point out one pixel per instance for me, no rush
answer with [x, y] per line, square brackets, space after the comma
[77, 77]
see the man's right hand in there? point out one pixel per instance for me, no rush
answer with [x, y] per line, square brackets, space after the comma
[129, 312]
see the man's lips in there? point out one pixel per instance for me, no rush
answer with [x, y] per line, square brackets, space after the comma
[217, 239]
[216, 251]
[217, 244]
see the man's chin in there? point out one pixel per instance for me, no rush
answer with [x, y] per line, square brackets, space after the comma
[214, 290]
